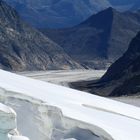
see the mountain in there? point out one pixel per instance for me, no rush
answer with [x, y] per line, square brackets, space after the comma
[136, 6]
[124, 75]
[65, 13]
[24, 48]
[100, 40]
[122, 78]
[56, 13]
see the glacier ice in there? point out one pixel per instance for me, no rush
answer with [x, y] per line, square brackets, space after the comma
[40, 121]
[70, 139]
[49, 112]
[7, 121]
[8, 124]
[18, 138]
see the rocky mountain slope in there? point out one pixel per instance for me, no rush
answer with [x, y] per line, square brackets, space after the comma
[100, 40]
[24, 48]
[122, 78]
[65, 13]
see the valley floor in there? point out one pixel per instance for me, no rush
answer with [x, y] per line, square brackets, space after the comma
[63, 77]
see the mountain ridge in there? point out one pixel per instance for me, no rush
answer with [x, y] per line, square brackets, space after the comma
[99, 40]
[25, 48]
[65, 13]
[55, 14]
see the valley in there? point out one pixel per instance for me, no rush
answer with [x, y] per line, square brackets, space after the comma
[69, 70]
[64, 77]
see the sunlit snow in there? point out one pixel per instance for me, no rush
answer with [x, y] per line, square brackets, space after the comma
[76, 110]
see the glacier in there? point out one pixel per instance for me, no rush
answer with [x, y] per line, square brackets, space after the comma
[51, 112]
[64, 77]
[8, 124]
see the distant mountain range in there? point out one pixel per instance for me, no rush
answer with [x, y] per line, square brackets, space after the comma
[24, 48]
[122, 78]
[56, 13]
[65, 13]
[100, 40]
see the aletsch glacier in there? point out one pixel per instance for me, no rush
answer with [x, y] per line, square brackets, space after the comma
[50, 112]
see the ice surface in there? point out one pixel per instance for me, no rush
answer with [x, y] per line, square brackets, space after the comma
[7, 120]
[8, 124]
[6, 110]
[81, 134]
[70, 139]
[64, 77]
[65, 109]
[19, 138]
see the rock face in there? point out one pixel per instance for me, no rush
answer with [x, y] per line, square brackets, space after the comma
[24, 48]
[100, 40]
[65, 13]
[123, 77]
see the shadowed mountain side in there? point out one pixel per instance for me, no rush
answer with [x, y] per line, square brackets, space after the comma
[100, 40]
[122, 78]
[24, 48]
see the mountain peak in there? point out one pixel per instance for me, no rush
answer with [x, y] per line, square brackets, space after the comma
[107, 12]
[110, 9]
[101, 19]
